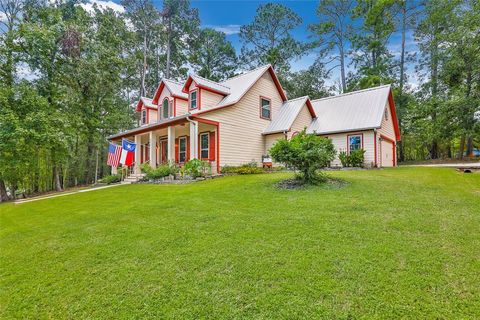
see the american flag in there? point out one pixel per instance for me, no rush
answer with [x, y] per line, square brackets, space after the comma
[114, 153]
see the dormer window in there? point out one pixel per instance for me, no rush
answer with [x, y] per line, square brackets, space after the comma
[166, 109]
[144, 116]
[265, 108]
[193, 99]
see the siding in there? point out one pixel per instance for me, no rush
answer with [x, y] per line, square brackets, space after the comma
[340, 142]
[386, 129]
[152, 116]
[303, 120]
[182, 106]
[271, 139]
[209, 99]
[241, 140]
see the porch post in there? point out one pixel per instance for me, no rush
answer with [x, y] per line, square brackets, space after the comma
[138, 150]
[193, 139]
[153, 149]
[114, 170]
[171, 144]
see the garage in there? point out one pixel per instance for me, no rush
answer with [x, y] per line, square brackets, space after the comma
[387, 152]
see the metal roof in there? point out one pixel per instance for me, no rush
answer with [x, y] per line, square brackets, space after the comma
[358, 110]
[210, 84]
[148, 102]
[286, 116]
[175, 88]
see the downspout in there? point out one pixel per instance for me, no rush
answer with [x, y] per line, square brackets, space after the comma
[375, 146]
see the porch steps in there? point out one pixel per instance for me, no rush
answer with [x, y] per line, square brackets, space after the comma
[134, 177]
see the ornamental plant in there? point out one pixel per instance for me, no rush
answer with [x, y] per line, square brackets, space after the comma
[307, 153]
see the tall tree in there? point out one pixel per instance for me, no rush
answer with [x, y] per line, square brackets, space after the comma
[144, 17]
[215, 57]
[268, 38]
[181, 23]
[332, 32]
[309, 82]
[370, 53]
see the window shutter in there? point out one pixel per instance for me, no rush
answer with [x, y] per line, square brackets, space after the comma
[188, 149]
[141, 154]
[176, 150]
[212, 146]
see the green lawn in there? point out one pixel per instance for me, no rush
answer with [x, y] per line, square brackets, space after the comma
[399, 243]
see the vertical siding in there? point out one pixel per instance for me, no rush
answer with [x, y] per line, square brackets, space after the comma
[340, 142]
[241, 140]
[303, 120]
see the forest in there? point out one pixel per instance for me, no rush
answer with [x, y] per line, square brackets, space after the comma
[71, 70]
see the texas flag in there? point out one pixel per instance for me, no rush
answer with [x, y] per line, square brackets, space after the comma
[128, 153]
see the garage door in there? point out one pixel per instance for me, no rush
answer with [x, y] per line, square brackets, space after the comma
[387, 154]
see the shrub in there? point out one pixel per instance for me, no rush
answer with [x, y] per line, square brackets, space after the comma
[343, 156]
[248, 168]
[159, 172]
[196, 168]
[111, 179]
[306, 152]
[356, 158]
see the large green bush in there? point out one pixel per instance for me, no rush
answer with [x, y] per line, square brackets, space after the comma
[197, 168]
[306, 152]
[354, 159]
[159, 172]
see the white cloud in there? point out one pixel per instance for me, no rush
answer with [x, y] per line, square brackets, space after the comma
[102, 5]
[227, 29]
[3, 16]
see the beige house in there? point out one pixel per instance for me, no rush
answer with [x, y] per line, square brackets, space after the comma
[237, 121]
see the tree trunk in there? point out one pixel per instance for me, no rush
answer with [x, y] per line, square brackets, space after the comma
[469, 146]
[56, 174]
[169, 47]
[3, 191]
[342, 69]
[462, 147]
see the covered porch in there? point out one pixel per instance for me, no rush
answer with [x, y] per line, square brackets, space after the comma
[175, 140]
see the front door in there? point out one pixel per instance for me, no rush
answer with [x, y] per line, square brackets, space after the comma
[164, 151]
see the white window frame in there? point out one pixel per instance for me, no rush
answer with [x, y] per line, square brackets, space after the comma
[190, 100]
[208, 145]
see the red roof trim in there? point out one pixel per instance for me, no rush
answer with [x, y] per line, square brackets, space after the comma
[391, 103]
[277, 83]
[186, 86]
[310, 108]
[158, 92]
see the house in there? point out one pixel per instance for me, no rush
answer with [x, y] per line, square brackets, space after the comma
[236, 121]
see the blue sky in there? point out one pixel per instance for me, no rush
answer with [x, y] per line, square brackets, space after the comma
[228, 16]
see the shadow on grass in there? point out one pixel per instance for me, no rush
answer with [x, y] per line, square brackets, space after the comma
[295, 183]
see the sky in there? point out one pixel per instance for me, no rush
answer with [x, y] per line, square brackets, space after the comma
[228, 15]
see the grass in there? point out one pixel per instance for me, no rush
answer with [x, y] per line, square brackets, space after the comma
[399, 243]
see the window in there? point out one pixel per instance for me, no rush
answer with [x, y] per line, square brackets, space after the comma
[354, 142]
[204, 146]
[182, 149]
[265, 109]
[193, 99]
[165, 111]
[386, 114]
[144, 116]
